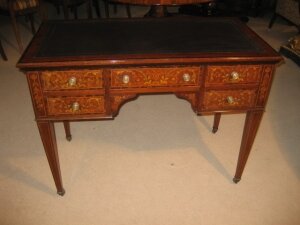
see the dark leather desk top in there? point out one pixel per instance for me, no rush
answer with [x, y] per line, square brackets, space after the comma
[117, 39]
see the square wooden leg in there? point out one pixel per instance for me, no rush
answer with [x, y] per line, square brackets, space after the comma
[47, 132]
[252, 122]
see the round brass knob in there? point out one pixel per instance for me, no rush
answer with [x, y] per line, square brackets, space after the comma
[72, 81]
[75, 106]
[230, 100]
[126, 79]
[234, 75]
[186, 77]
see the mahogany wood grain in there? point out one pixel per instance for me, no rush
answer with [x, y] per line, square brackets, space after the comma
[85, 74]
[47, 132]
[251, 126]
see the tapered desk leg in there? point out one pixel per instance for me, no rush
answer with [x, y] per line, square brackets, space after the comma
[252, 122]
[217, 118]
[67, 130]
[47, 132]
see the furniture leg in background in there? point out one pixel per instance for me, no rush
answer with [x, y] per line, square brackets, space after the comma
[16, 8]
[67, 130]
[287, 9]
[106, 6]
[72, 5]
[97, 8]
[3, 55]
[217, 118]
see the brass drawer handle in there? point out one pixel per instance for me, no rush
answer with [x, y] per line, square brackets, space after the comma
[186, 77]
[72, 81]
[234, 76]
[230, 100]
[75, 106]
[126, 79]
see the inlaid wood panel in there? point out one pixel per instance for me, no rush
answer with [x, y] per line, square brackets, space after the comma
[233, 74]
[118, 100]
[155, 77]
[228, 99]
[71, 79]
[75, 105]
[265, 85]
[190, 97]
[36, 93]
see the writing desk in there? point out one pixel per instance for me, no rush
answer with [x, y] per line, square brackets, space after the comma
[85, 70]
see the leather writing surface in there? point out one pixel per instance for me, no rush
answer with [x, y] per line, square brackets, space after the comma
[142, 37]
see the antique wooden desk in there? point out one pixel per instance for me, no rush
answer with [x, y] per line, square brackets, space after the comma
[85, 70]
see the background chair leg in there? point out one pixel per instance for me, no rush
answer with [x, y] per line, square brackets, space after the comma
[89, 9]
[106, 5]
[57, 8]
[67, 130]
[217, 118]
[65, 10]
[31, 19]
[272, 20]
[97, 8]
[128, 11]
[42, 11]
[16, 30]
[75, 13]
[2, 52]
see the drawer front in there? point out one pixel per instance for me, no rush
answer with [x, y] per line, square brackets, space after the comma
[76, 79]
[233, 74]
[155, 77]
[75, 105]
[229, 99]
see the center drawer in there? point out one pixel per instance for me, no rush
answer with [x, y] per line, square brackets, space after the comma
[155, 77]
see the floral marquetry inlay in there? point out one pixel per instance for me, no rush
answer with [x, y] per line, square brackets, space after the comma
[228, 99]
[75, 105]
[233, 74]
[155, 77]
[265, 85]
[72, 79]
[36, 93]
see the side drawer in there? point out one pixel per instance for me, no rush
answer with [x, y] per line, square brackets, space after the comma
[75, 105]
[71, 79]
[241, 74]
[228, 99]
[155, 77]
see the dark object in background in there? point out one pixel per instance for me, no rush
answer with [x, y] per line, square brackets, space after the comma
[204, 9]
[235, 8]
[2, 53]
[230, 8]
